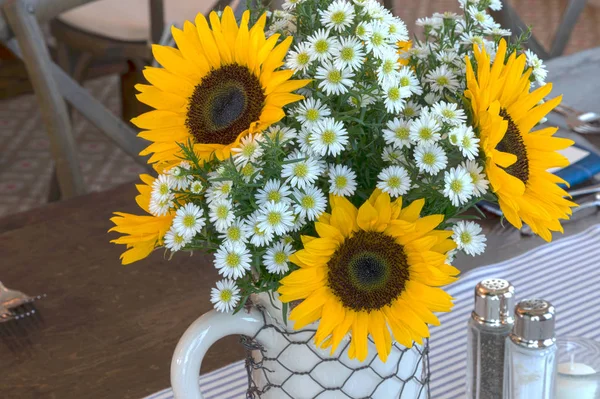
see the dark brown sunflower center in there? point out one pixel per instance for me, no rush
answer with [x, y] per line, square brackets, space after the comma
[513, 144]
[224, 104]
[368, 271]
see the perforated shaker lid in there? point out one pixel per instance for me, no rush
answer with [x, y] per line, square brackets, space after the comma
[534, 324]
[494, 302]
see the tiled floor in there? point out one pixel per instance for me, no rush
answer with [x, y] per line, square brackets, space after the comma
[25, 161]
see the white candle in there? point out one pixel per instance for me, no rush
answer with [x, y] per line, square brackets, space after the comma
[576, 380]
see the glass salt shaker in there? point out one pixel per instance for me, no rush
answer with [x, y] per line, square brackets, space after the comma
[490, 323]
[530, 360]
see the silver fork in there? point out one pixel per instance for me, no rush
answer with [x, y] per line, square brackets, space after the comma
[579, 122]
[18, 317]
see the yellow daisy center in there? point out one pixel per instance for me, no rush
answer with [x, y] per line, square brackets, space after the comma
[347, 54]
[301, 170]
[312, 114]
[377, 39]
[232, 260]
[404, 81]
[402, 133]
[274, 196]
[280, 257]
[189, 221]
[425, 133]
[368, 271]
[303, 58]
[338, 17]
[394, 94]
[234, 233]
[328, 137]
[428, 158]
[341, 181]
[226, 295]
[465, 237]
[512, 143]
[442, 80]
[334, 76]
[409, 112]
[222, 211]
[274, 218]
[394, 182]
[448, 113]
[308, 202]
[456, 186]
[163, 189]
[224, 104]
[321, 46]
[388, 66]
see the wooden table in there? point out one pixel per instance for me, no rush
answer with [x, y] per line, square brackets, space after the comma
[110, 330]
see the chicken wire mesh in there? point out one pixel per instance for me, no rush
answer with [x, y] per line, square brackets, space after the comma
[289, 365]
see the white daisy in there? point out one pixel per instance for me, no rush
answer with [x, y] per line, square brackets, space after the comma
[311, 111]
[441, 78]
[449, 113]
[181, 180]
[539, 69]
[310, 203]
[175, 241]
[449, 15]
[411, 110]
[232, 259]
[236, 232]
[448, 57]
[277, 257]
[221, 214]
[363, 96]
[249, 150]
[273, 191]
[497, 30]
[375, 11]
[430, 158]
[342, 180]
[481, 17]
[304, 141]
[225, 296]
[328, 137]
[258, 237]
[397, 30]
[162, 186]
[334, 80]
[338, 16]
[349, 54]
[299, 59]
[280, 134]
[429, 23]
[393, 155]
[394, 180]
[387, 72]
[301, 169]
[480, 184]
[397, 133]
[468, 237]
[496, 5]
[432, 98]
[363, 30]
[321, 45]
[160, 207]
[458, 185]
[276, 218]
[464, 138]
[189, 220]
[377, 41]
[408, 80]
[196, 187]
[425, 130]
[394, 98]
[250, 173]
[470, 38]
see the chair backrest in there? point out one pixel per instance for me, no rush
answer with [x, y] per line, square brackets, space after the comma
[509, 19]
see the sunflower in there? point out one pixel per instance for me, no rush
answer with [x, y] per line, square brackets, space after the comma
[220, 85]
[142, 233]
[517, 157]
[371, 270]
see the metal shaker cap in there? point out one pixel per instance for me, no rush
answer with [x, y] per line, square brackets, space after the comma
[534, 324]
[494, 302]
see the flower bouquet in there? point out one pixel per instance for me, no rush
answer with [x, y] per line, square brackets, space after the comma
[333, 162]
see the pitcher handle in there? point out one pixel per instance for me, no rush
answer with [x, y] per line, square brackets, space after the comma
[192, 347]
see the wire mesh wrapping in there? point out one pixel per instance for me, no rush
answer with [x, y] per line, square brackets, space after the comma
[286, 364]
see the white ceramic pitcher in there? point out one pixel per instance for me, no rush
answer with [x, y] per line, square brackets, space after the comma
[288, 352]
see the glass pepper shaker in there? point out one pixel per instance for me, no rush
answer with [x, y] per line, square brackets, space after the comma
[530, 360]
[490, 323]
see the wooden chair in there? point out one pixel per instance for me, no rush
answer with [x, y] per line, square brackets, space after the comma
[20, 32]
[509, 19]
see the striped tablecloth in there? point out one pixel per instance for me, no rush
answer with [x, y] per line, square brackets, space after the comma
[566, 272]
